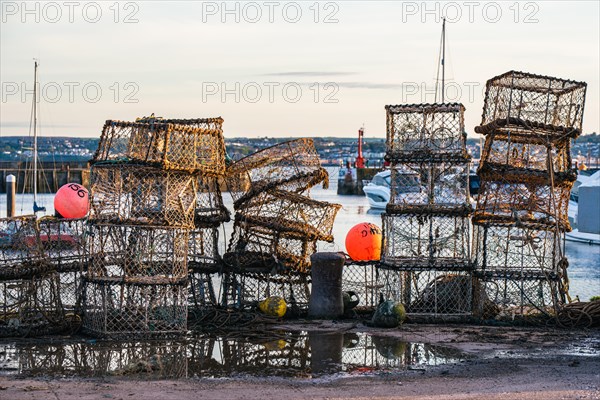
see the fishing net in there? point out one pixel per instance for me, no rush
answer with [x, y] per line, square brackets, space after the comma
[186, 145]
[422, 131]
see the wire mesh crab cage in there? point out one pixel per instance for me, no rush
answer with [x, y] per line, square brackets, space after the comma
[291, 212]
[292, 166]
[422, 131]
[516, 248]
[430, 187]
[519, 156]
[20, 248]
[425, 241]
[137, 253]
[247, 289]
[32, 306]
[186, 145]
[429, 293]
[124, 310]
[138, 194]
[255, 248]
[526, 179]
[63, 242]
[526, 203]
[156, 204]
[276, 224]
[533, 105]
[210, 209]
[426, 255]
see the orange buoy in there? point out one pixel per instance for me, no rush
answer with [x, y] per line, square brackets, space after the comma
[363, 242]
[72, 201]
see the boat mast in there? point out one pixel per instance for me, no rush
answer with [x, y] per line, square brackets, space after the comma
[36, 208]
[443, 55]
[35, 150]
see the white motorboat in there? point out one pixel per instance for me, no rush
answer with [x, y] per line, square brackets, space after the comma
[378, 189]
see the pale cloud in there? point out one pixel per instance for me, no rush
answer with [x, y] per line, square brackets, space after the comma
[371, 54]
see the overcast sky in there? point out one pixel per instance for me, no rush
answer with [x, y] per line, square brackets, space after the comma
[278, 68]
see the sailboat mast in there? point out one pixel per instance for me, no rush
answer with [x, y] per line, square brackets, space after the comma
[35, 149]
[443, 55]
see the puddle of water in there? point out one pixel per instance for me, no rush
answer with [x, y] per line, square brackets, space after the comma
[303, 354]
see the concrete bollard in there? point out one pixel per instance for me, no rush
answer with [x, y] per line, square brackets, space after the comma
[326, 299]
[11, 195]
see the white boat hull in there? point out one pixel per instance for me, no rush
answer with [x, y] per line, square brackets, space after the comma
[378, 196]
[583, 237]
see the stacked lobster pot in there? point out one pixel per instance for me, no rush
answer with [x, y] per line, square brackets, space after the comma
[40, 274]
[526, 177]
[277, 225]
[144, 218]
[425, 258]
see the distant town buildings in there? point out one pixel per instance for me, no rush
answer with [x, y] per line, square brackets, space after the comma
[333, 151]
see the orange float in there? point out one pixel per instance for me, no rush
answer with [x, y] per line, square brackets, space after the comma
[363, 242]
[72, 201]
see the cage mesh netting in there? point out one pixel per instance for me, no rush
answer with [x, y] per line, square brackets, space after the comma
[133, 252]
[526, 179]
[532, 105]
[429, 291]
[423, 131]
[429, 187]
[20, 248]
[187, 145]
[125, 310]
[426, 242]
[137, 194]
[32, 306]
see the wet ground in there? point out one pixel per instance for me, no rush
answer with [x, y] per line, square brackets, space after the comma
[312, 359]
[277, 353]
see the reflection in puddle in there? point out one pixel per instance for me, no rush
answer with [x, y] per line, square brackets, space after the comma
[285, 355]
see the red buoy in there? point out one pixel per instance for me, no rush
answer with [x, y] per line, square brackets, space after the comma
[363, 242]
[72, 201]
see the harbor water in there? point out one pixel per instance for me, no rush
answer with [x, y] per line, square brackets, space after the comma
[584, 259]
